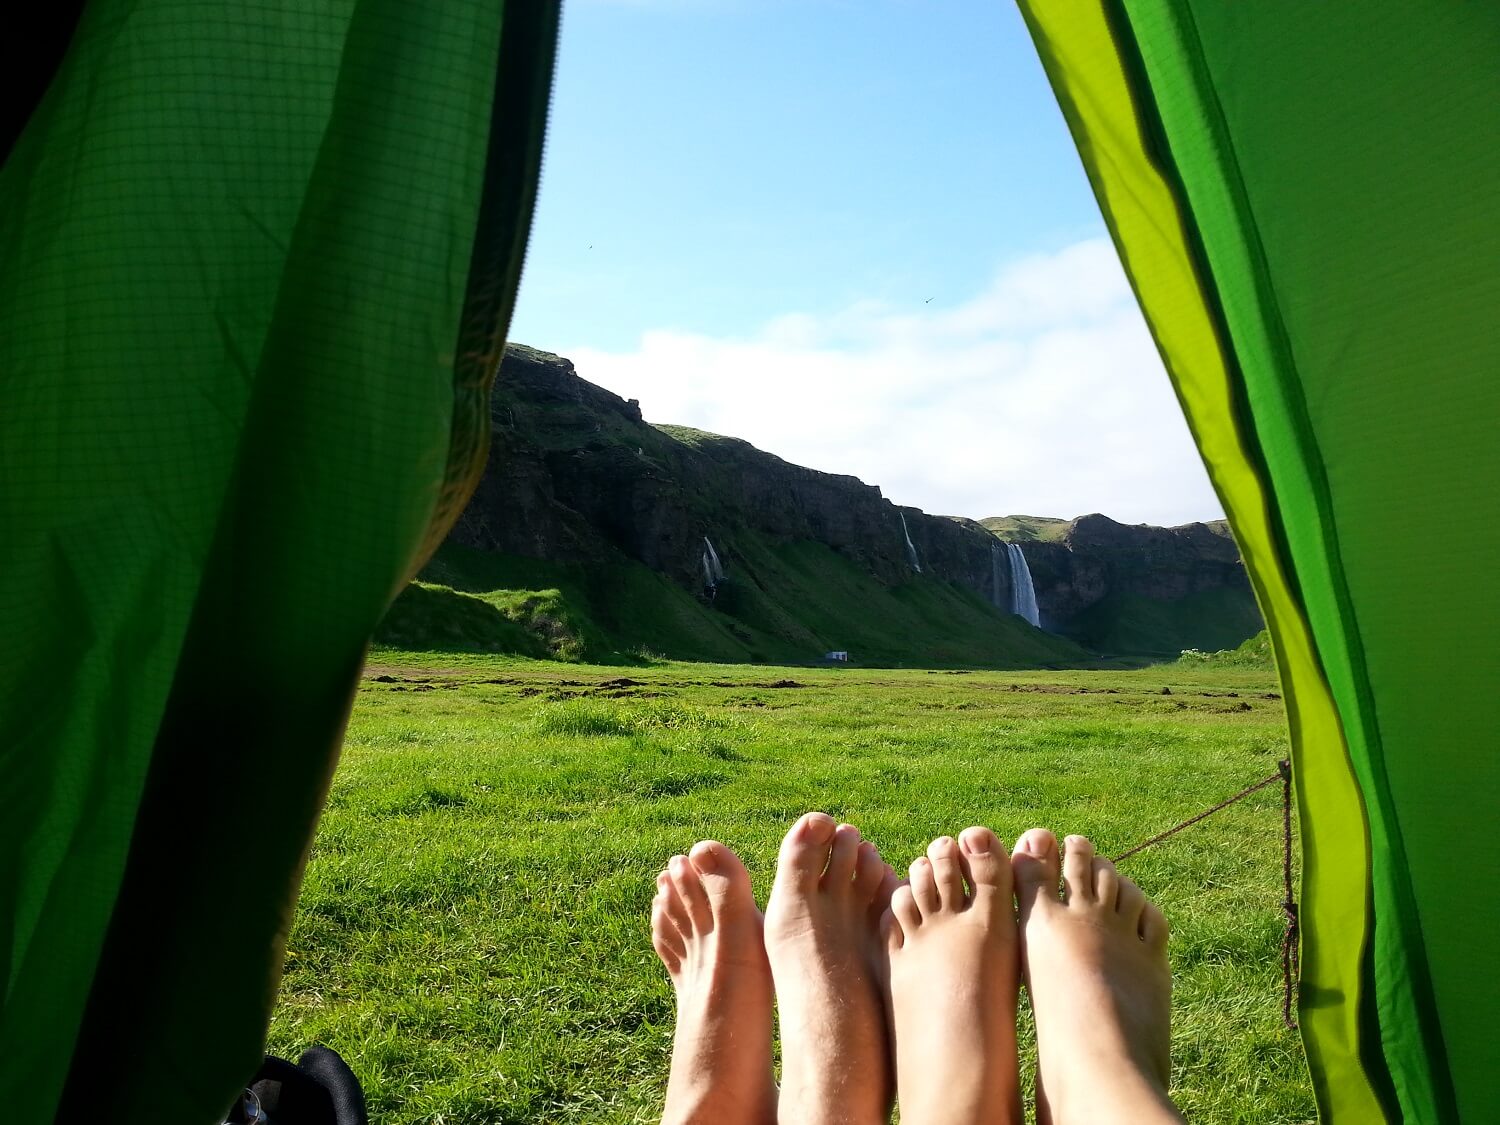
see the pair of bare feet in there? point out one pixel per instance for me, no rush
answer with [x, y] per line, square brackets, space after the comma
[892, 989]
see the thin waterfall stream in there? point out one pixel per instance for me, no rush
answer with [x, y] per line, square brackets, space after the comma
[911, 550]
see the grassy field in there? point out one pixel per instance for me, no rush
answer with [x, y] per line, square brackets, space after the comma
[472, 934]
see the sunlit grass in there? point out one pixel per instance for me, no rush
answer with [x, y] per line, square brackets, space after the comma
[472, 934]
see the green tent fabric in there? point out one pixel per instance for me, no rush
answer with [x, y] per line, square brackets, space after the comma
[1307, 200]
[256, 266]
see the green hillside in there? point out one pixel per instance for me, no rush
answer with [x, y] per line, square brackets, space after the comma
[1208, 620]
[1026, 529]
[784, 602]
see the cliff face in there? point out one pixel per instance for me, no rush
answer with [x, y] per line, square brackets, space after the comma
[1112, 586]
[575, 472]
[577, 478]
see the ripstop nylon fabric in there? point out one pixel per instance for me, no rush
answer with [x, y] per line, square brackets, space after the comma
[1077, 48]
[256, 262]
[1338, 185]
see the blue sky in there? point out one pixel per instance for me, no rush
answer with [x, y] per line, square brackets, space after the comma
[857, 234]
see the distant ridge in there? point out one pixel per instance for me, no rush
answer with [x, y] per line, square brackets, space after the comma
[595, 535]
[1026, 529]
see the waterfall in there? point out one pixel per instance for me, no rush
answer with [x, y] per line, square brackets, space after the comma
[995, 574]
[1022, 592]
[711, 564]
[911, 550]
[709, 581]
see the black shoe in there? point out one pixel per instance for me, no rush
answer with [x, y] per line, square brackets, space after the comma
[319, 1090]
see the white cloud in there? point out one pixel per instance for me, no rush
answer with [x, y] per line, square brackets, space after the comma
[1043, 395]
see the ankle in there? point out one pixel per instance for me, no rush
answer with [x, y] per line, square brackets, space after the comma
[1118, 1092]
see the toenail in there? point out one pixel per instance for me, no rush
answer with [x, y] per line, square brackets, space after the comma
[707, 860]
[809, 819]
[976, 844]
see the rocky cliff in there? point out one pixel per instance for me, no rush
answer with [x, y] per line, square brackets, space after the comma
[1134, 588]
[574, 472]
[746, 556]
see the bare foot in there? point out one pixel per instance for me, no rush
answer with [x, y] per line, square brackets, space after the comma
[708, 933]
[954, 976]
[1095, 963]
[823, 941]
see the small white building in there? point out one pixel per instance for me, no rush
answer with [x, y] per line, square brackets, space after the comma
[837, 654]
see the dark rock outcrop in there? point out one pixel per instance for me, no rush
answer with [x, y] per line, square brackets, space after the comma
[574, 472]
[1099, 569]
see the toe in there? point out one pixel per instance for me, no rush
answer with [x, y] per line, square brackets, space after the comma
[1106, 883]
[947, 875]
[923, 886]
[1153, 926]
[690, 891]
[1078, 869]
[804, 852]
[725, 881]
[665, 938]
[891, 934]
[987, 868]
[1035, 867]
[673, 911]
[868, 872]
[881, 900]
[668, 912]
[671, 960]
[904, 909]
[842, 858]
[1129, 904]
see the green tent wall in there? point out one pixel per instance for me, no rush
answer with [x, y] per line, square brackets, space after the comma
[256, 267]
[1307, 200]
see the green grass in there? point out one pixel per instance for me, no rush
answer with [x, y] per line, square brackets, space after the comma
[1253, 653]
[473, 935]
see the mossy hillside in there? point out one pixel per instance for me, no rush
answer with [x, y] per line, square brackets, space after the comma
[614, 611]
[788, 602]
[805, 590]
[1026, 529]
[1254, 653]
[1130, 623]
[431, 617]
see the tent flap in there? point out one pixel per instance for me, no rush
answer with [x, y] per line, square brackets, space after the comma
[1334, 202]
[257, 270]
